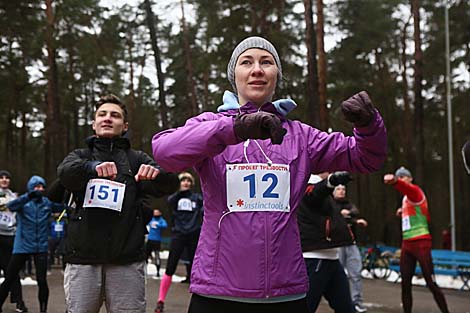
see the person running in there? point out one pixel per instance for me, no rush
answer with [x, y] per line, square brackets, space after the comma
[417, 242]
[187, 210]
[322, 231]
[7, 236]
[154, 239]
[350, 256]
[253, 165]
[105, 243]
[33, 210]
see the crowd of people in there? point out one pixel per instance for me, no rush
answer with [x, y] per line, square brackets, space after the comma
[274, 233]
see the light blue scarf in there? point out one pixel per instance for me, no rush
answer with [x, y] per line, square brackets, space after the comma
[230, 102]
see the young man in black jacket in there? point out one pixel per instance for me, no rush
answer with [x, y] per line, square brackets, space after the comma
[105, 243]
[322, 231]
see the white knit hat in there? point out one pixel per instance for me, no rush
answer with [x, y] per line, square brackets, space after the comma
[250, 43]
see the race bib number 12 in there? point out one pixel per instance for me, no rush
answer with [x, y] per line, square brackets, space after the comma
[103, 193]
[258, 187]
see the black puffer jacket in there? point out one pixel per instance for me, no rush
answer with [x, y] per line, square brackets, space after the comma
[321, 227]
[97, 235]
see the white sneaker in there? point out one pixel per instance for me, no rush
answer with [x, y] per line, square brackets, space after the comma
[359, 308]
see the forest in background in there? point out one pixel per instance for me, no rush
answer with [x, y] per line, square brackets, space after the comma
[167, 61]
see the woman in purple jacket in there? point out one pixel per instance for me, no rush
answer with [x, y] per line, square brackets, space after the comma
[254, 165]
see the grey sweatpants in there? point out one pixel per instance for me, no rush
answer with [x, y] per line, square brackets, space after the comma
[121, 287]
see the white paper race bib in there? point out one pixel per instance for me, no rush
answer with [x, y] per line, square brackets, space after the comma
[185, 204]
[103, 193]
[405, 223]
[7, 219]
[58, 227]
[258, 187]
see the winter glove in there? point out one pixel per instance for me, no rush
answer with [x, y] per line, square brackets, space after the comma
[3, 201]
[35, 194]
[358, 109]
[259, 125]
[339, 178]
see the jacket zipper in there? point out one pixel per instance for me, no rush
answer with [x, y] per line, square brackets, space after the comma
[37, 231]
[328, 228]
[266, 247]
[352, 234]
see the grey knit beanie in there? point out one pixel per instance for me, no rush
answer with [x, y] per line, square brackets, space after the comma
[249, 43]
[5, 173]
[402, 171]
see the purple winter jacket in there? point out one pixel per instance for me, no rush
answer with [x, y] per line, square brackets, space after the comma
[258, 254]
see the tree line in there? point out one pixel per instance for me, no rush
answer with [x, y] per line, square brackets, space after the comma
[58, 56]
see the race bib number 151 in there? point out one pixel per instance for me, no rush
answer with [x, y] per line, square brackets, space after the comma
[103, 193]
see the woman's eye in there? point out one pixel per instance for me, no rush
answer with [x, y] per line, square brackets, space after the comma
[245, 62]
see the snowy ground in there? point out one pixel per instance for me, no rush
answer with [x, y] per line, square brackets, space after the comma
[443, 281]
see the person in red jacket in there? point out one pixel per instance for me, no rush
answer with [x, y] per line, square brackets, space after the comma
[416, 244]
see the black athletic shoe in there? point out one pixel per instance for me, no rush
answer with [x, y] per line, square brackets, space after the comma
[159, 308]
[21, 307]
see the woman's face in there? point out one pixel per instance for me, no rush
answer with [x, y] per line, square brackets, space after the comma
[255, 76]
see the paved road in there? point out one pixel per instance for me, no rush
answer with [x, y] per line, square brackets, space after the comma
[380, 297]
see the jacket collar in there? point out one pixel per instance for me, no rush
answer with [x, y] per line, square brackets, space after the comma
[280, 107]
[121, 142]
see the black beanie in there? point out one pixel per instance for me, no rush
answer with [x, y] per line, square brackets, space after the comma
[5, 173]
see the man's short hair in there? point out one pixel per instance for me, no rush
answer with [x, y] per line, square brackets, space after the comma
[110, 98]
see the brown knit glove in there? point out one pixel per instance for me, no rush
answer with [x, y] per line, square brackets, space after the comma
[358, 109]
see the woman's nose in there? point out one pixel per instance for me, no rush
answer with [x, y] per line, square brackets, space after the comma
[257, 68]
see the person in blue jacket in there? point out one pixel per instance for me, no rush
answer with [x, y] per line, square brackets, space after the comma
[154, 239]
[33, 210]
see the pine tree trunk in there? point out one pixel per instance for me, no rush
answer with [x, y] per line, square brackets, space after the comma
[158, 64]
[408, 114]
[324, 121]
[189, 64]
[54, 145]
[418, 87]
[312, 81]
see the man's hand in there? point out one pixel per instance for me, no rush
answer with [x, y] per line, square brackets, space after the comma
[107, 169]
[259, 125]
[358, 109]
[146, 172]
[361, 222]
[390, 179]
[345, 213]
[399, 212]
[35, 194]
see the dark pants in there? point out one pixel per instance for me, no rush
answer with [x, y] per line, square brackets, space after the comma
[55, 246]
[200, 304]
[154, 246]
[178, 243]
[16, 263]
[6, 247]
[412, 251]
[327, 278]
